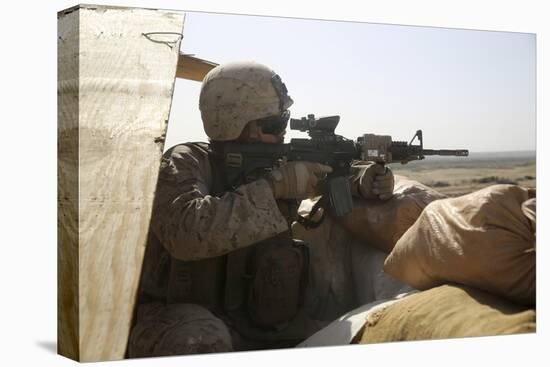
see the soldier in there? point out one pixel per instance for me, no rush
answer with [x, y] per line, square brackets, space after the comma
[221, 270]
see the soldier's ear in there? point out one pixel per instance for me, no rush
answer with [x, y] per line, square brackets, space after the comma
[249, 133]
[254, 131]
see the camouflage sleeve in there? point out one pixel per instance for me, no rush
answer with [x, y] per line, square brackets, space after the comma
[358, 168]
[192, 224]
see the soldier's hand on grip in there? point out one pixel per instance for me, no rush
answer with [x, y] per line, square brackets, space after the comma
[297, 179]
[377, 181]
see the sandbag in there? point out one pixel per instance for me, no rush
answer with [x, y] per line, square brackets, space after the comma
[529, 209]
[329, 292]
[344, 273]
[370, 281]
[482, 239]
[448, 311]
[382, 223]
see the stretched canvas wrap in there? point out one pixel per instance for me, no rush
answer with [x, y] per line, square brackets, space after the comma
[167, 247]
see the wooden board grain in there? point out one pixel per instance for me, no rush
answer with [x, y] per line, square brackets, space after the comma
[67, 176]
[127, 61]
[193, 68]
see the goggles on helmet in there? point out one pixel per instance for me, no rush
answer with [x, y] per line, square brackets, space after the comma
[280, 88]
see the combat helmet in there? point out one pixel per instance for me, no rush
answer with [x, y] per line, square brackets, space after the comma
[236, 93]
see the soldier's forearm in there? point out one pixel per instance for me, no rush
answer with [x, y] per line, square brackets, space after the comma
[213, 226]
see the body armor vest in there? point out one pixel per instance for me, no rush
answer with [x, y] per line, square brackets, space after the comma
[258, 290]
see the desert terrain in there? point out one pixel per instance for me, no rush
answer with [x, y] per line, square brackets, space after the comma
[455, 176]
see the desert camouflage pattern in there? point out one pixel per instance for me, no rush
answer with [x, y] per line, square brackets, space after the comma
[194, 224]
[176, 329]
[236, 93]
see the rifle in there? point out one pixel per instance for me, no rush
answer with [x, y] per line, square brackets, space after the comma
[247, 161]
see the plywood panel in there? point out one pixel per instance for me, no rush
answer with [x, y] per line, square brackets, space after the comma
[127, 66]
[67, 176]
[193, 68]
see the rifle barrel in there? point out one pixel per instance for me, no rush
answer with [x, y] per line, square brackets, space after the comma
[451, 152]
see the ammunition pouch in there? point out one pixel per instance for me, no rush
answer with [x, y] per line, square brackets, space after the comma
[275, 273]
[279, 273]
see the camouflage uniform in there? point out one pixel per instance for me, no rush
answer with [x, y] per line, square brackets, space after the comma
[221, 269]
[189, 289]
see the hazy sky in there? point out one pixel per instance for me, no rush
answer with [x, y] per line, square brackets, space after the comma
[464, 89]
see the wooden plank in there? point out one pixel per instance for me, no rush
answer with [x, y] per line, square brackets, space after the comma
[127, 61]
[193, 68]
[67, 188]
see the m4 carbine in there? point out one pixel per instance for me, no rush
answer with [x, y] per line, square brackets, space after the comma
[248, 161]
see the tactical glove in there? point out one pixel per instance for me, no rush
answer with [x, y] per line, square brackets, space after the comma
[297, 180]
[376, 181]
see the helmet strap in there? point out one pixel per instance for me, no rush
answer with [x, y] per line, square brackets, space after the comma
[250, 133]
[253, 131]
